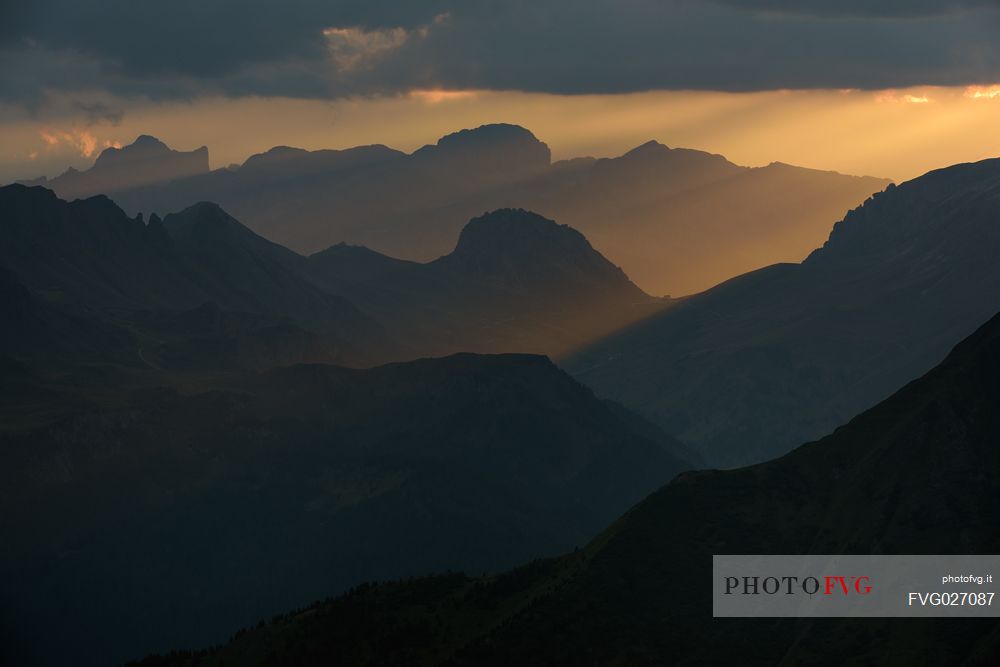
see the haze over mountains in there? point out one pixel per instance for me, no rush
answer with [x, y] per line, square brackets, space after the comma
[155, 420]
[782, 355]
[741, 372]
[146, 161]
[676, 220]
[916, 474]
[515, 282]
[281, 394]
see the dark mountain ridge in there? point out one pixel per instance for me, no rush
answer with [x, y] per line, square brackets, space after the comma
[677, 220]
[89, 254]
[783, 354]
[917, 474]
[515, 282]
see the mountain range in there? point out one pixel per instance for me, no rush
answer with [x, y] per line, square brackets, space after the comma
[676, 220]
[175, 457]
[917, 474]
[515, 282]
[187, 474]
[169, 518]
[784, 354]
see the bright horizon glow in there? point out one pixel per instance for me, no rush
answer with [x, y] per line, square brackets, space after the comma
[897, 134]
[983, 92]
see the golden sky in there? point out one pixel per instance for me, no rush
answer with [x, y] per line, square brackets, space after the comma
[897, 134]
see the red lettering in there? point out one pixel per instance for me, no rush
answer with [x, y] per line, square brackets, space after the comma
[861, 585]
[831, 583]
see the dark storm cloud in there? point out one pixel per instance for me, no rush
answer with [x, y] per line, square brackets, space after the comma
[313, 48]
[200, 37]
[98, 112]
[877, 8]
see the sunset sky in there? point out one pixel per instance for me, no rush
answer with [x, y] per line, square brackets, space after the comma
[889, 91]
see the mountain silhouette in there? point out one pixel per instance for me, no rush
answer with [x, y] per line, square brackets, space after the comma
[90, 254]
[515, 281]
[254, 273]
[917, 474]
[492, 154]
[680, 221]
[676, 220]
[782, 355]
[147, 425]
[175, 518]
[144, 162]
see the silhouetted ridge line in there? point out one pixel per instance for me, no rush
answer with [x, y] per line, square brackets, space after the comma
[677, 220]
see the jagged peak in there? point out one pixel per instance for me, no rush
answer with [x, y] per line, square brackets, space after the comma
[904, 215]
[147, 149]
[17, 194]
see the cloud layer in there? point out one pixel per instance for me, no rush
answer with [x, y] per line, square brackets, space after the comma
[318, 49]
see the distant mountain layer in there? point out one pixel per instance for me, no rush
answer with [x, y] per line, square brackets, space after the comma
[199, 289]
[917, 474]
[174, 519]
[147, 161]
[676, 220]
[782, 355]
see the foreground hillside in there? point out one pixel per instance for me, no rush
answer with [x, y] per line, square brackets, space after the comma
[917, 474]
[751, 368]
[175, 519]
